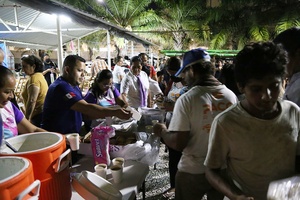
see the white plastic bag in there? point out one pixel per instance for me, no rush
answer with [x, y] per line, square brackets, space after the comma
[146, 152]
[284, 189]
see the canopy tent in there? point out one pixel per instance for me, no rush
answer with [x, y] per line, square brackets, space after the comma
[33, 24]
[220, 53]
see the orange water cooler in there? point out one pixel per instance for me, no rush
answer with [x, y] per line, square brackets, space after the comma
[50, 161]
[16, 179]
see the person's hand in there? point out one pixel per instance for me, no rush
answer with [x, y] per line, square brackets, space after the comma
[123, 114]
[125, 106]
[159, 129]
[53, 70]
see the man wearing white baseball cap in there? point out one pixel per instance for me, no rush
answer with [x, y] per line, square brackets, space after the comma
[189, 128]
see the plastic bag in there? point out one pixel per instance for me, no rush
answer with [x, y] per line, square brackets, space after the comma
[146, 152]
[285, 189]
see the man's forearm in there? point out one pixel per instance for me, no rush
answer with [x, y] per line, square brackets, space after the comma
[176, 140]
[217, 180]
[124, 97]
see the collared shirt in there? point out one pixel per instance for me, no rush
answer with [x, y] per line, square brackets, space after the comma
[131, 88]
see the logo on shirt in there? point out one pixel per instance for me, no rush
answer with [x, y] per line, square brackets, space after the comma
[70, 95]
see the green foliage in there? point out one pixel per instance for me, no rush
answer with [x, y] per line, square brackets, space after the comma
[259, 33]
[219, 40]
[174, 24]
[242, 42]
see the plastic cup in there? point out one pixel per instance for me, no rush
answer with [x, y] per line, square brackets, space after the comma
[118, 161]
[101, 169]
[73, 139]
[117, 173]
[154, 122]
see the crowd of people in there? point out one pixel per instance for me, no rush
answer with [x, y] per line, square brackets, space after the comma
[228, 133]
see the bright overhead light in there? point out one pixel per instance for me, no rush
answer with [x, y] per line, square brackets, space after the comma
[27, 49]
[63, 18]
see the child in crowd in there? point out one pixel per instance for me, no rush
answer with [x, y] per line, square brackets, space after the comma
[257, 138]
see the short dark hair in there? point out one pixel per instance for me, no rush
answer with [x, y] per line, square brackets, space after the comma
[33, 60]
[159, 73]
[117, 59]
[103, 75]
[227, 78]
[4, 72]
[134, 59]
[257, 60]
[290, 40]
[70, 60]
[203, 68]
[143, 54]
[173, 63]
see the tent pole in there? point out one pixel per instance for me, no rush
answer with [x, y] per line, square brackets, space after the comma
[132, 49]
[16, 17]
[108, 50]
[59, 41]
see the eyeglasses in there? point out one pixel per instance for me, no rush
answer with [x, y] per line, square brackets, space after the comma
[106, 85]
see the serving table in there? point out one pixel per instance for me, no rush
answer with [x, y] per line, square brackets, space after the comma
[134, 175]
[134, 172]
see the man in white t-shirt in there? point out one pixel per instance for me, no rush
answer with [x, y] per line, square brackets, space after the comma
[258, 138]
[189, 128]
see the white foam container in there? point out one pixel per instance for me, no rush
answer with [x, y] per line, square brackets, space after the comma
[93, 187]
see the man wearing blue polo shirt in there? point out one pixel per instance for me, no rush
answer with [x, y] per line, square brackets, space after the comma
[64, 104]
